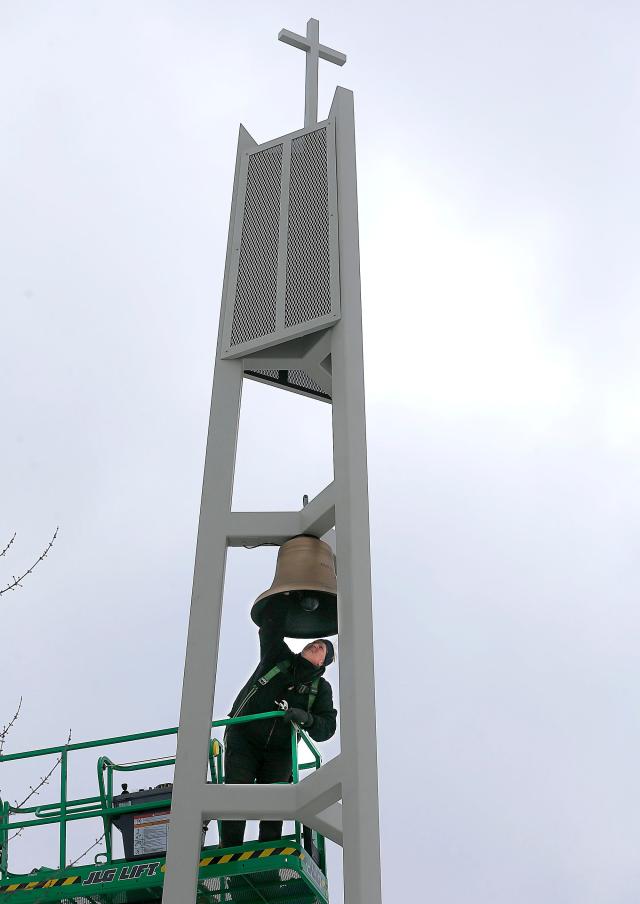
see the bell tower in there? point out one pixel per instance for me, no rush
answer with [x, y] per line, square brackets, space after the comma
[290, 317]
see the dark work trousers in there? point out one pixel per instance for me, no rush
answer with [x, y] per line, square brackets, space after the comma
[244, 763]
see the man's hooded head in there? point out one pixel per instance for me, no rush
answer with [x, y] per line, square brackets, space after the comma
[319, 652]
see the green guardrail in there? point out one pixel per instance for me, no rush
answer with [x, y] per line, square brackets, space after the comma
[99, 807]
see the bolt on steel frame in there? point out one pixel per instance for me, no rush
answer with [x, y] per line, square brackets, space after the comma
[324, 342]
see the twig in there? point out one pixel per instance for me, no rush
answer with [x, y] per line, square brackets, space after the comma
[84, 853]
[15, 582]
[7, 546]
[34, 790]
[7, 728]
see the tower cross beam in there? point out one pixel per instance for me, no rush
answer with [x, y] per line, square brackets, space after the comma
[315, 51]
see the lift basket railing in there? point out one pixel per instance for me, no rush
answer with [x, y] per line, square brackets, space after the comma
[101, 806]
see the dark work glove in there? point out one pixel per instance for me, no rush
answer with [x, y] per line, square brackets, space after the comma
[299, 716]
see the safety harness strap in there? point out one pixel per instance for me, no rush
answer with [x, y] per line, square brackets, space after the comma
[279, 667]
[313, 693]
[282, 667]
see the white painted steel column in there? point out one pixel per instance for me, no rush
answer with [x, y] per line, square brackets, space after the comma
[361, 861]
[201, 660]
[185, 828]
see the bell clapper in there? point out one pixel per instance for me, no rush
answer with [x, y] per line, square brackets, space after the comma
[309, 603]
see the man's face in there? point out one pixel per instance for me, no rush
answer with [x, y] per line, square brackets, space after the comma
[315, 653]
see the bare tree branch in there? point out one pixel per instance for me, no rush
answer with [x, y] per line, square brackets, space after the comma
[84, 853]
[7, 728]
[7, 546]
[34, 790]
[44, 780]
[15, 582]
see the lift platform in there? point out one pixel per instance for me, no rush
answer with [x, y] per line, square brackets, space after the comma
[291, 870]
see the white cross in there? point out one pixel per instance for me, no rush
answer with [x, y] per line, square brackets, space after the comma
[315, 51]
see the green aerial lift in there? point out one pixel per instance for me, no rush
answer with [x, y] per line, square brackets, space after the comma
[290, 870]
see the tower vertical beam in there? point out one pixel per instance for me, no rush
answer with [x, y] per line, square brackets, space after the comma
[201, 661]
[361, 862]
[198, 686]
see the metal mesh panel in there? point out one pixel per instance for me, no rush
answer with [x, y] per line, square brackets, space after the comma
[290, 379]
[272, 374]
[302, 379]
[276, 886]
[272, 886]
[82, 900]
[254, 311]
[132, 896]
[307, 293]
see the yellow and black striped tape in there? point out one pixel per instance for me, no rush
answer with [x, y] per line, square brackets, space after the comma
[245, 855]
[251, 855]
[45, 883]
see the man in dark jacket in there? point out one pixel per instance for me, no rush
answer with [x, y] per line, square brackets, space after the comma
[261, 750]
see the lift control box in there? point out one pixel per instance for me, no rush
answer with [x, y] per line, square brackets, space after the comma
[144, 834]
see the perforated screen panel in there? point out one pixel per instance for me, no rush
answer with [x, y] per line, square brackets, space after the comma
[308, 290]
[280, 886]
[272, 886]
[283, 279]
[254, 309]
[271, 374]
[303, 380]
[295, 380]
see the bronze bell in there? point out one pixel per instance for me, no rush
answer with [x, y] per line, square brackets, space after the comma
[305, 583]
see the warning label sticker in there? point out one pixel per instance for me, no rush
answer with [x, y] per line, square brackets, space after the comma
[150, 831]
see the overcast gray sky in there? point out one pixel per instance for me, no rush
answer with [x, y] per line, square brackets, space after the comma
[498, 149]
